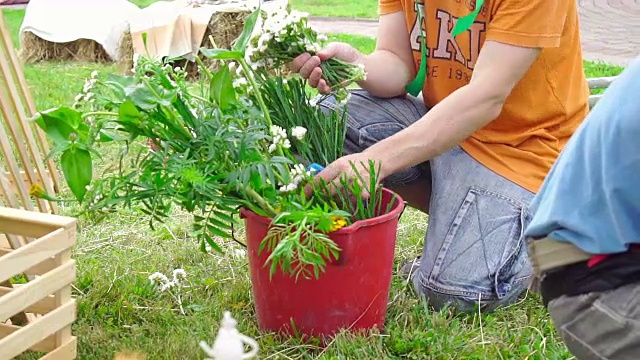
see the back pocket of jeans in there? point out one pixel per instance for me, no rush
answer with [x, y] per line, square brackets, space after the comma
[483, 251]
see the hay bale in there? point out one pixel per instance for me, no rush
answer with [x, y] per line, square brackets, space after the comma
[35, 49]
[224, 28]
[125, 50]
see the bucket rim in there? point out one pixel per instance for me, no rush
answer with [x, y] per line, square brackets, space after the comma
[395, 212]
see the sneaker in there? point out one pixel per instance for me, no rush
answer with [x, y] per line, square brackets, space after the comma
[410, 267]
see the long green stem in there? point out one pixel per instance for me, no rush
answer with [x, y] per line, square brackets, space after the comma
[252, 80]
[99, 113]
[263, 106]
[261, 201]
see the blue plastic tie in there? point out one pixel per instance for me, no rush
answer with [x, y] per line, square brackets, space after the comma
[315, 168]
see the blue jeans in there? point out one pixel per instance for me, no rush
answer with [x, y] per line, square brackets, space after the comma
[474, 251]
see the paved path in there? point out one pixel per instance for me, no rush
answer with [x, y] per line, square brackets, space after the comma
[610, 29]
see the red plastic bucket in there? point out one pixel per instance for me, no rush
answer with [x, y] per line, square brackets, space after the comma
[353, 291]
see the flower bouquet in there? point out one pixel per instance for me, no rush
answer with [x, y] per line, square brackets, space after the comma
[236, 139]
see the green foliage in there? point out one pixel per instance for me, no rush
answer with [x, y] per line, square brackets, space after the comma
[288, 102]
[209, 149]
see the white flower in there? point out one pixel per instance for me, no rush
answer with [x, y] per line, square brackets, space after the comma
[94, 74]
[78, 97]
[88, 85]
[288, 188]
[279, 138]
[240, 82]
[158, 275]
[277, 131]
[298, 132]
[178, 273]
[239, 253]
[297, 174]
[162, 281]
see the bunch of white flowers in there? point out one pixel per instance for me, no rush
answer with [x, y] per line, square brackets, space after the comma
[164, 283]
[298, 173]
[279, 138]
[281, 35]
[86, 95]
[298, 132]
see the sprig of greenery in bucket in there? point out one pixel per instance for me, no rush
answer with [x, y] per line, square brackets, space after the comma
[206, 148]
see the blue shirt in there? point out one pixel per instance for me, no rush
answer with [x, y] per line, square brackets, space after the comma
[591, 196]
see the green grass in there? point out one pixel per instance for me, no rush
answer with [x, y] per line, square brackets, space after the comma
[119, 310]
[337, 8]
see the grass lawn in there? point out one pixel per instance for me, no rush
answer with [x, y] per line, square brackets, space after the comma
[119, 310]
[337, 8]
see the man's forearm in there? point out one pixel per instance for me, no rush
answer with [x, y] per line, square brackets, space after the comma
[446, 125]
[387, 74]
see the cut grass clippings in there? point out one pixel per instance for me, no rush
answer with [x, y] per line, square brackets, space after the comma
[119, 310]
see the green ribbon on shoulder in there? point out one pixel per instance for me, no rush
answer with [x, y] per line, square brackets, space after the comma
[462, 25]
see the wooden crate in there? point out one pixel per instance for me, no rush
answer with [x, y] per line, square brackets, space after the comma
[37, 315]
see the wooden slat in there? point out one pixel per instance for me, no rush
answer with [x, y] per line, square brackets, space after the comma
[36, 335]
[593, 100]
[68, 351]
[19, 318]
[10, 160]
[25, 177]
[54, 281]
[39, 269]
[63, 296]
[30, 104]
[600, 82]
[25, 257]
[42, 306]
[6, 188]
[32, 224]
[16, 117]
[43, 346]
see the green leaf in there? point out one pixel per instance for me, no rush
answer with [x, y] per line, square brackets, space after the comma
[241, 42]
[128, 112]
[147, 97]
[222, 88]
[221, 54]
[110, 135]
[212, 243]
[77, 169]
[57, 149]
[59, 123]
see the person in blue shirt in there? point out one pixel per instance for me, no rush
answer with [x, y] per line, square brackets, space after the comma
[584, 234]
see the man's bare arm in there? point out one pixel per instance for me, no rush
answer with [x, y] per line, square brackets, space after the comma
[499, 68]
[390, 67]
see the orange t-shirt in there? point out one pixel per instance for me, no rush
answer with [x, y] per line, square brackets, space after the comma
[544, 108]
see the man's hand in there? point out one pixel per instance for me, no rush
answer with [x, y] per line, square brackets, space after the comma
[350, 168]
[389, 68]
[309, 66]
